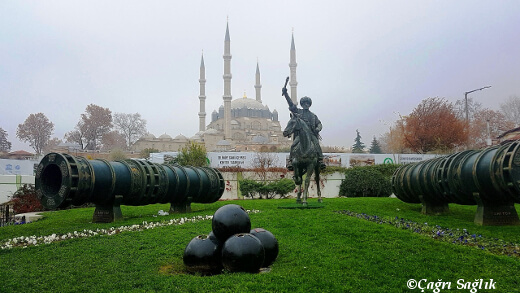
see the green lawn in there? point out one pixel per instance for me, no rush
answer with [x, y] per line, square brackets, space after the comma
[320, 251]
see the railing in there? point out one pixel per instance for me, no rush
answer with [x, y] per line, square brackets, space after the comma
[6, 215]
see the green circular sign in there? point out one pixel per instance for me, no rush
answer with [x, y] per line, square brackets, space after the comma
[388, 161]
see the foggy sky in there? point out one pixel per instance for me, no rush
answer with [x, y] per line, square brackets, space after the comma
[362, 62]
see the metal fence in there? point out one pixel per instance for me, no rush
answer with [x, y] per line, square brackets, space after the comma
[6, 215]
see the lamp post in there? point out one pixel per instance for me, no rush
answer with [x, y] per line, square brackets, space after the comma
[466, 100]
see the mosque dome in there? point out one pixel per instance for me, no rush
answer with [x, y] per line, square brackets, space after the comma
[248, 104]
[196, 137]
[181, 137]
[148, 136]
[165, 137]
[211, 131]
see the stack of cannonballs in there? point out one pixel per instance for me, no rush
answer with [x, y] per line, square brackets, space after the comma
[231, 246]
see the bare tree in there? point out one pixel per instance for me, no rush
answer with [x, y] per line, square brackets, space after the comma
[393, 140]
[478, 131]
[94, 123]
[113, 140]
[262, 163]
[36, 130]
[75, 136]
[52, 144]
[473, 108]
[131, 126]
[433, 126]
[5, 145]
[511, 110]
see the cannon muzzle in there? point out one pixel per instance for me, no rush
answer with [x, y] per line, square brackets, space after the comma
[63, 180]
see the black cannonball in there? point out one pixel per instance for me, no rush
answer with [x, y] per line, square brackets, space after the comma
[243, 252]
[270, 245]
[229, 220]
[203, 255]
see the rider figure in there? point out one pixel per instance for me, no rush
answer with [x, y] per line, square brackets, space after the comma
[310, 119]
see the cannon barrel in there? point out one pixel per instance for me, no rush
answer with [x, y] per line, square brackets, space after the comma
[489, 178]
[63, 180]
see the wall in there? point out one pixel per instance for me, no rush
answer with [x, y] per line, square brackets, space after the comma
[247, 159]
[10, 183]
[329, 184]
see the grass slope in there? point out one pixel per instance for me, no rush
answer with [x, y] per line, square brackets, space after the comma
[320, 251]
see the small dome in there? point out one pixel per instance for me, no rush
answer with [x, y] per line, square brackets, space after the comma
[196, 137]
[148, 136]
[181, 137]
[211, 131]
[165, 136]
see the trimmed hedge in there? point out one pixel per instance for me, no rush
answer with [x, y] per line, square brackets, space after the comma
[250, 188]
[368, 181]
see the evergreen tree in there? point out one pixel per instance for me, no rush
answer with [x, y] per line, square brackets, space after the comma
[358, 146]
[375, 148]
[193, 154]
[5, 145]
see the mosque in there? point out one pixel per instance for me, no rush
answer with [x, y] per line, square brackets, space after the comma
[243, 124]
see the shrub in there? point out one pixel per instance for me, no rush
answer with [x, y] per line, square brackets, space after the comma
[372, 181]
[282, 187]
[117, 155]
[25, 200]
[193, 154]
[249, 187]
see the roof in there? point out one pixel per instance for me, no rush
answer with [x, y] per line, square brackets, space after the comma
[508, 132]
[21, 153]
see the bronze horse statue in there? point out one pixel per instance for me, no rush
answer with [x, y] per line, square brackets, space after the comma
[304, 154]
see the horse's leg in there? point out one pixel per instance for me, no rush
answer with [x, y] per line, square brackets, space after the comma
[298, 180]
[307, 183]
[317, 178]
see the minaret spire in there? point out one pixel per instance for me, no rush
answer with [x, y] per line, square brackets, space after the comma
[227, 84]
[258, 86]
[292, 65]
[202, 95]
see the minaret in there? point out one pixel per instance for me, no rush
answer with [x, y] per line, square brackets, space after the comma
[258, 86]
[227, 85]
[202, 96]
[293, 83]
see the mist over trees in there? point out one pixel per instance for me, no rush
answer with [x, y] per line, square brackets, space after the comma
[433, 125]
[511, 110]
[439, 126]
[5, 145]
[130, 126]
[36, 130]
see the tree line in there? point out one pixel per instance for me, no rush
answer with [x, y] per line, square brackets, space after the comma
[97, 129]
[439, 126]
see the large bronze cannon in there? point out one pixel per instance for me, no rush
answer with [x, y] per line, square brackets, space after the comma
[63, 180]
[488, 178]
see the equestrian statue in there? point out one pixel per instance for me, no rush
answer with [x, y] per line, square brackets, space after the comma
[305, 156]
